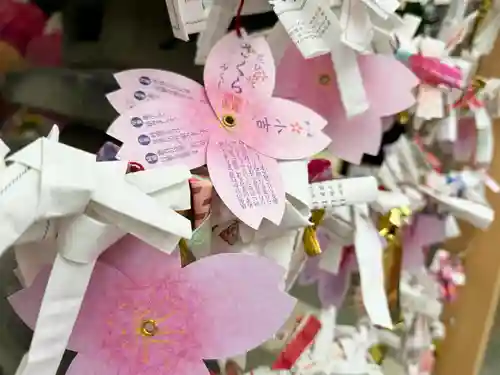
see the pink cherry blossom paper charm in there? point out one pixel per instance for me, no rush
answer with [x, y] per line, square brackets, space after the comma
[313, 83]
[233, 124]
[143, 314]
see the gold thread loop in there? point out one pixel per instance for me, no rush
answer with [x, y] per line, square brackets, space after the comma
[149, 328]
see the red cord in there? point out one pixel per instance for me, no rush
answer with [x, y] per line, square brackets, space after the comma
[237, 20]
[134, 166]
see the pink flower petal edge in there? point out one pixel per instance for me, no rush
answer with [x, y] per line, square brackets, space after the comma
[249, 183]
[224, 309]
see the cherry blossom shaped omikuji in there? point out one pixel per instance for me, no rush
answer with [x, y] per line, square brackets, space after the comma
[233, 124]
[313, 82]
[144, 315]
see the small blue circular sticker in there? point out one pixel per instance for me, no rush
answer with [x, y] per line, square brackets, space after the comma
[146, 81]
[136, 122]
[151, 158]
[140, 95]
[144, 140]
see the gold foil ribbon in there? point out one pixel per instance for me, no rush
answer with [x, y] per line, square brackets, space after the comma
[403, 117]
[187, 257]
[309, 238]
[390, 226]
[437, 343]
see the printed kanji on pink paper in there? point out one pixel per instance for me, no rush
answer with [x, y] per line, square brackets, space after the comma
[233, 124]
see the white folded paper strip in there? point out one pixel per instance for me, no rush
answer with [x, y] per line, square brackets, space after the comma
[341, 192]
[94, 205]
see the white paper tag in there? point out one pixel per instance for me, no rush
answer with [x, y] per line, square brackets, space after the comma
[331, 257]
[218, 21]
[368, 247]
[356, 25]
[430, 102]
[345, 191]
[448, 127]
[484, 146]
[349, 80]
[52, 331]
[432, 47]
[177, 15]
[307, 22]
[383, 8]
[483, 119]
[383, 41]
[316, 30]
[405, 150]
[477, 214]
[409, 27]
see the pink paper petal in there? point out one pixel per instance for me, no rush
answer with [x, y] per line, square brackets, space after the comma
[162, 81]
[283, 129]
[332, 289]
[139, 261]
[243, 67]
[105, 283]
[351, 138]
[428, 230]
[165, 132]
[314, 83]
[311, 272]
[89, 365]
[249, 183]
[309, 82]
[387, 96]
[465, 145]
[387, 122]
[243, 305]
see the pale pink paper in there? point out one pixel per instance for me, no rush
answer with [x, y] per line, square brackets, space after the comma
[213, 308]
[124, 99]
[331, 288]
[465, 144]
[175, 129]
[426, 230]
[239, 80]
[259, 196]
[312, 82]
[163, 81]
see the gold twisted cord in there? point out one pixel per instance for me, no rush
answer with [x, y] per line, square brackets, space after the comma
[310, 238]
[390, 226]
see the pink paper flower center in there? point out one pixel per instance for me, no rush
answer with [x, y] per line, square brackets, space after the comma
[148, 326]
